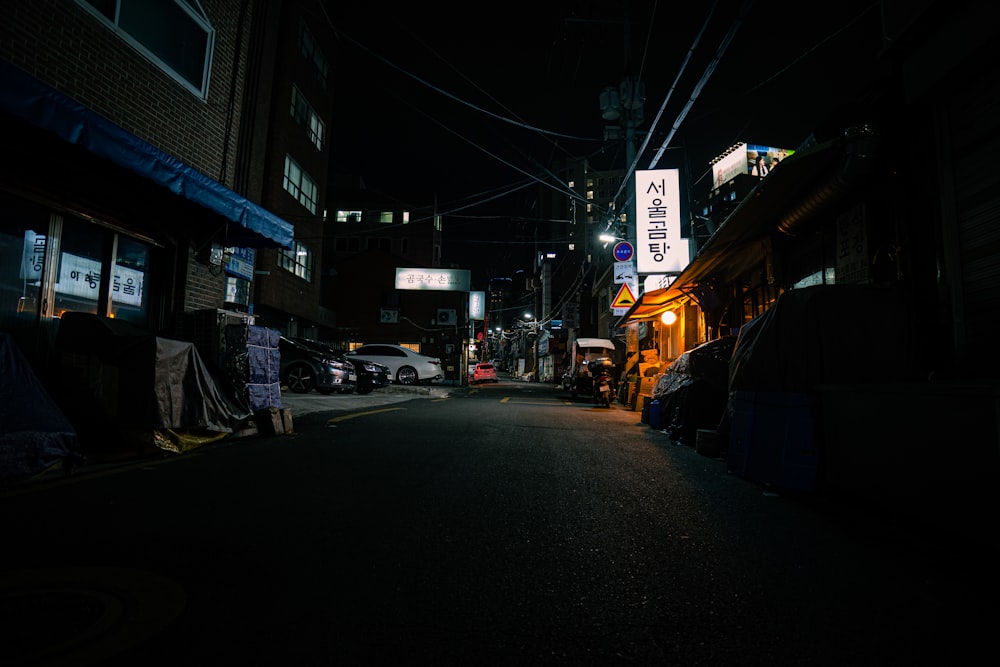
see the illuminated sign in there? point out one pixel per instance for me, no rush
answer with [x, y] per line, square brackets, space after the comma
[743, 158]
[454, 280]
[477, 305]
[659, 247]
[241, 262]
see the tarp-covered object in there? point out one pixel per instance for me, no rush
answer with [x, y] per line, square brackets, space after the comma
[34, 433]
[826, 334]
[253, 361]
[693, 390]
[811, 338]
[186, 394]
[139, 383]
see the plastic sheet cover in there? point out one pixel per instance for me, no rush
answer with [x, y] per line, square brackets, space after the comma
[253, 361]
[141, 382]
[826, 334]
[34, 433]
[692, 391]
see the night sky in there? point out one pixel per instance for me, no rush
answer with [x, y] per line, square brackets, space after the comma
[468, 103]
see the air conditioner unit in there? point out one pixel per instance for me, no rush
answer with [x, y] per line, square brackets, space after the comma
[447, 316]
[389, 316]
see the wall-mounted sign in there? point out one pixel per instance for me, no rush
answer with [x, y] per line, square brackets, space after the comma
[454, 280]
[240, 263]
[477, 305]
[659, 246]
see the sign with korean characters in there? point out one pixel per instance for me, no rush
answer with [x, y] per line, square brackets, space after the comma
[659, 247]
[241, 262]
[453, 280]
[477, 305]
[625, 276]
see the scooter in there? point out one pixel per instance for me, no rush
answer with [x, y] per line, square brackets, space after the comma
[603, 388]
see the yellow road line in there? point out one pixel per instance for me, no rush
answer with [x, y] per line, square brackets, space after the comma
[334, 420]
[521, 401]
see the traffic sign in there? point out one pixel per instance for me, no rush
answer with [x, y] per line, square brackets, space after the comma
[624, 251]
[625, 298]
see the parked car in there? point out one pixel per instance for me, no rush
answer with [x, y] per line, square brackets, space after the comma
[484, 372]
[405, 365]
[370, 375]
[304, 368]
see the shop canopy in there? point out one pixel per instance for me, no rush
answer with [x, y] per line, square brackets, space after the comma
[782, 202]
[30, 100]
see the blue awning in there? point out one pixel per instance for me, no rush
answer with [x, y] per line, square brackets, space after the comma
[27, 98]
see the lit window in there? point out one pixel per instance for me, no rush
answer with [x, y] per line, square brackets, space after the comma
[380, 216]
[406, 217]
[299, 185]
[298, 260]
[312, 53]
[348, 216]
[174, 34]
[306, 117]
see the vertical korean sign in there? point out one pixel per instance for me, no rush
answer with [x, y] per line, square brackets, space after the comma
[659, 247]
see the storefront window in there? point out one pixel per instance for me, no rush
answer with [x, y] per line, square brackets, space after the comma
[23, 231]
[51, 264]
[128, 294]
[78, 276]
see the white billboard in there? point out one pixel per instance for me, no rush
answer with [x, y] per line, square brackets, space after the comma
[659, 247]
[454, 280]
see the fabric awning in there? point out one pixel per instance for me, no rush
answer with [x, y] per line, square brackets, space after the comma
[26, 98]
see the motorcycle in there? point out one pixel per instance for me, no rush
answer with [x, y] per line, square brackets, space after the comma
[603, 386]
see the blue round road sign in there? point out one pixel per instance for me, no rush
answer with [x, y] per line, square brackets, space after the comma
[623, 251]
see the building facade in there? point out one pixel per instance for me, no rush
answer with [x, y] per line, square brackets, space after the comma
[125, 188]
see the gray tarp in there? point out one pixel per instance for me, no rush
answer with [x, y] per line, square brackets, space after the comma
[139, 382]
[186, 394]
[34, 433]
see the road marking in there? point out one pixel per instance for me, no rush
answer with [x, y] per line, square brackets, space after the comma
[334, 420]
[523, 401]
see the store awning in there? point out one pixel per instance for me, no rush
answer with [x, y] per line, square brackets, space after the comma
[32, 101]
[803, 182]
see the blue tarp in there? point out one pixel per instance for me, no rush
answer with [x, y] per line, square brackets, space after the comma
[27, 98]
[253, 362]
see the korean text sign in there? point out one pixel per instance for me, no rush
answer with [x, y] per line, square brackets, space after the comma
[659, 247]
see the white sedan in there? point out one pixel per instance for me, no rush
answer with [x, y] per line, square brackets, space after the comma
[405, 365]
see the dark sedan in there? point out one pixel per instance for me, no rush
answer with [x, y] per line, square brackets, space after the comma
[369, 375]
[304, 368]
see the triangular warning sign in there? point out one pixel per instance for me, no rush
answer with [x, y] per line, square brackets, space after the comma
[625, 298]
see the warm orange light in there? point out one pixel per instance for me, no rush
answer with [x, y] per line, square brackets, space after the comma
[668, 317]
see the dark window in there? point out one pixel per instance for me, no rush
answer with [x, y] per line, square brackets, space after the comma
[174, 34]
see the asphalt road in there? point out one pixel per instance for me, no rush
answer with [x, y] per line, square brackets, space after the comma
[496, 525]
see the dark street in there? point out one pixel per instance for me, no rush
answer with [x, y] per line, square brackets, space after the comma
[505, 524]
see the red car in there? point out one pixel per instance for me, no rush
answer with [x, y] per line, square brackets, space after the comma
[484, 373]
